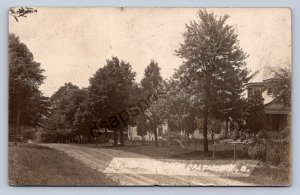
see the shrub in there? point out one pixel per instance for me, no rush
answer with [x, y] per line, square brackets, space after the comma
[278, 153]
[270, 151]
[33, 145]
[257, 151]
[273, 155]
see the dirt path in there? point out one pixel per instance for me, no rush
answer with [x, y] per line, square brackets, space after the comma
[100, 159]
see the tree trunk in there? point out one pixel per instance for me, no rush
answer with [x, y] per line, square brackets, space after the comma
[205, 141]
[17, 127]
[226, 129]
[122, 136]
[115, 137]
[155, 135]
[22, 138]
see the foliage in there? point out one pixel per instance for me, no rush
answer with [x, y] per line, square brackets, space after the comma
[83, 117]
[285, 134]
[278, 154]
[142, 125]
[65, 103]
[255, 113]
[25, 75]
[258, 151]
[215, 63]
[181, 114]
[274, 151]
[27, 105]
[138, 119]
[29, 133]
[151, 84]
[21, 12]
[281, 87]
[270, 151]
[214, 126]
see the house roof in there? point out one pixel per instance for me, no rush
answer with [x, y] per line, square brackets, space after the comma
[264, 74]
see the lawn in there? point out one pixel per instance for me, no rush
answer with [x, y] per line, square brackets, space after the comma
[189, 153]
[38, 165]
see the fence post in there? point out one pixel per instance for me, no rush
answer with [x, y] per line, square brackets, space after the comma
[96, 141]
[234, 152]
[214, 150]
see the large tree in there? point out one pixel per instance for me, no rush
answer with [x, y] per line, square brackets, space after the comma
[109, 91]
[214, 63]
[142, 125]
[25, 77]
[84, 117]
[39, 108]
[151, 85]
[64, 105]
[181, 112]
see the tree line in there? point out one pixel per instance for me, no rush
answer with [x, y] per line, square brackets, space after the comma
[208, 86]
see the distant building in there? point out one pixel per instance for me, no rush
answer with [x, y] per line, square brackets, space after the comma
[276, 115]
[133, 134]
[163, 130]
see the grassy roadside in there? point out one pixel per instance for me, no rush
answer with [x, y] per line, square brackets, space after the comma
[262, 175]
[36, 165]
[266, 175]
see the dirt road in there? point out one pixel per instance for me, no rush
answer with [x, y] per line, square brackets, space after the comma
[101, 159]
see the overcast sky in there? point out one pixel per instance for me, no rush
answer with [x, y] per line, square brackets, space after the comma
[72, 43]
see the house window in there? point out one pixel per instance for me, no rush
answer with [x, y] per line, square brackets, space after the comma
[250, 91]
[257, 90]
[160, 130]
[270, 91]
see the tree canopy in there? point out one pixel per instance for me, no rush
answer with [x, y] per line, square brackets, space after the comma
[109, 92]
[151, 84]
[281, 86]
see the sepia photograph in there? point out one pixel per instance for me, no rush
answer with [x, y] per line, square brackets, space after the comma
[128, 96]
